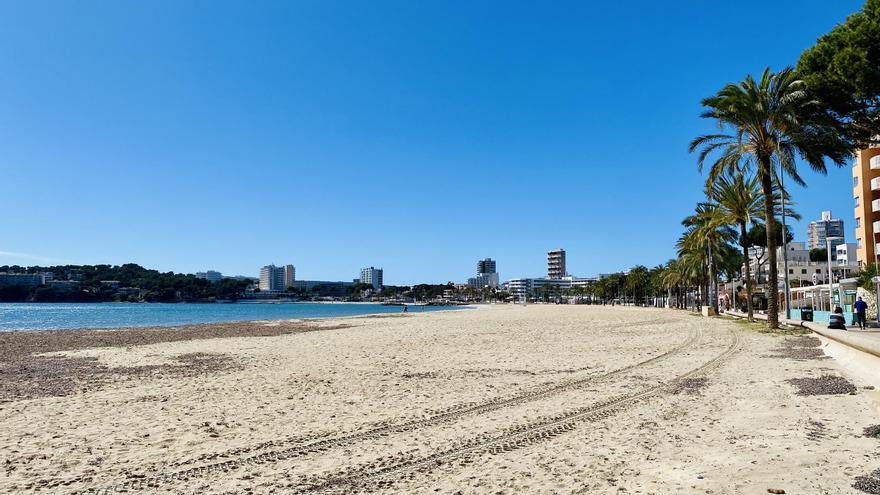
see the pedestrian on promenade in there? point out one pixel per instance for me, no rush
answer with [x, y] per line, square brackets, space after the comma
[861, 308]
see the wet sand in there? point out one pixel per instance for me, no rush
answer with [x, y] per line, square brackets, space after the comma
[506, 399]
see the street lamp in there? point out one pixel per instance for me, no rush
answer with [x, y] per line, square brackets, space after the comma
[784, 246]
[830, 279]
[876, 281]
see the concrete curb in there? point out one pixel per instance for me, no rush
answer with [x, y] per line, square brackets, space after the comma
[854, 340]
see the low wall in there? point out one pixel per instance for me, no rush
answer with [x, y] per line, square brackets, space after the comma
[822, 315]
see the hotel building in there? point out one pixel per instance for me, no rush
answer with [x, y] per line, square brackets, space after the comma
[277, 278]
[372, 276]
[866, 193]
[556, 264]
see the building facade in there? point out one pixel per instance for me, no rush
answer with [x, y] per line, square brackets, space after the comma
[820, 230]
[556, 264]
[289, 276]
[528, 287]
[846, 254]
[277, 278]
[22, 279]
[483, 280]
[328, 287]
[866, 194]
[487, 265]
[63, 285]
[372, 276]
[801, 271]
[487, 275]
[210, 276]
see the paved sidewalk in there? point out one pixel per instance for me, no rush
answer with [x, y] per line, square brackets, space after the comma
[863, 340]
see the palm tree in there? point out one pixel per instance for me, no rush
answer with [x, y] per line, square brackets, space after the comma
[741, 200]
[681, 274]
[637, 282]
[771, 122]
[706, 237]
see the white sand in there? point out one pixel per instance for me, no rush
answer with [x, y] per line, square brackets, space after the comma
[745, 432]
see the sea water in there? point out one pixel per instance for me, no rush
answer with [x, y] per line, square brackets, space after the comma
[54, 316]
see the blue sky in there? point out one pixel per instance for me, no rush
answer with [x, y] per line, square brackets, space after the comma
[333, 135]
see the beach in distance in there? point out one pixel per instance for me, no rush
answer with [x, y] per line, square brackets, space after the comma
[508, 399]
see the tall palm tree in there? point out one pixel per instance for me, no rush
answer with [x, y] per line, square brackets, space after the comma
[771, 122]
[706, 237]
[741, 200]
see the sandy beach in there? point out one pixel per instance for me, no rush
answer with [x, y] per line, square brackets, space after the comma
[502, 400]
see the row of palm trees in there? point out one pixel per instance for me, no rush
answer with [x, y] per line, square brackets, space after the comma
[765, 126]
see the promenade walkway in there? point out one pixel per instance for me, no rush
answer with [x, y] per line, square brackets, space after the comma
[864, 340]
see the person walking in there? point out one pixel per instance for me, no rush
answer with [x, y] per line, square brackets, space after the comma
[861, 308]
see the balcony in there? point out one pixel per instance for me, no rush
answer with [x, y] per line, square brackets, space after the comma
[877, 227]
[875, 184]
[875, 205]
[875, 162]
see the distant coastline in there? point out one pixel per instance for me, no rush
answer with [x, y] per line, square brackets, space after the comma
[133, 283]
[70, 316]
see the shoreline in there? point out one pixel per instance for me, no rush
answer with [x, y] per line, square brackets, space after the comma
[434, 309]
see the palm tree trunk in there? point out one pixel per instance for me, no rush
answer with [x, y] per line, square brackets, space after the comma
[748, 275]
[704, 287]
[772, 275]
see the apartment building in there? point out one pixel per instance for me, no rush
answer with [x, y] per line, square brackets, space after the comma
[866, 194]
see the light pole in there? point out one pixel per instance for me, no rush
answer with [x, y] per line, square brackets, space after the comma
[876, 281]
[830, 279]
[784, 246]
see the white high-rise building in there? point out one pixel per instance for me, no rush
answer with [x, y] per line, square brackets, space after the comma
[277, 278]
[372, 276]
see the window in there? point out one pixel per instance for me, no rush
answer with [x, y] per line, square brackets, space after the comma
[818, 270]
[859, 241]
[857, 201]
[803, 271]
[858, 222]
[856, 181]
[791, 271]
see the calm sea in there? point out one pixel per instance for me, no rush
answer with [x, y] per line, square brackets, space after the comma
[51, 316]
